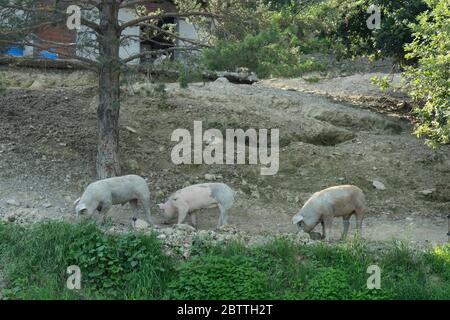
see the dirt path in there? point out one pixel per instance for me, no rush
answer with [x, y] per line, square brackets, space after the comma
[47, 150]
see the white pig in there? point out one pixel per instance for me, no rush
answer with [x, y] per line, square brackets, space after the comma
[340, 201]
[102, 194]
[206, 195]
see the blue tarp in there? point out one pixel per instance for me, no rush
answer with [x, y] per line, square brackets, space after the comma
[14, 51]
[48, 55]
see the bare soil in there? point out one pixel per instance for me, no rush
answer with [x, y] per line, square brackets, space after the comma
[48, 149]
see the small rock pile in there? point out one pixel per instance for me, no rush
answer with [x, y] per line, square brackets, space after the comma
[178, 239]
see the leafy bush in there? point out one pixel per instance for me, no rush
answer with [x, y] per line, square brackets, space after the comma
[329, 283]
[430, 79]
[382, 83]
[340, 27]
[235, 18]
[216, 277]
[35, 259]
[272, 52]
[110, 263]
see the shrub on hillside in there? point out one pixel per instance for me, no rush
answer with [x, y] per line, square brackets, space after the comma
[340, 27]
[429, 81]
[272, 52]
[218, 277]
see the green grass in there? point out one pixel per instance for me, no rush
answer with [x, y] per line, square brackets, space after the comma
[34, 261]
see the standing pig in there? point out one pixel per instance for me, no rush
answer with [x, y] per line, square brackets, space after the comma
[102, 194]
[205, 195]
[340, 201]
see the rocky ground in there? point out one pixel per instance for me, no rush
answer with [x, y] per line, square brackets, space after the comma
[327, 137]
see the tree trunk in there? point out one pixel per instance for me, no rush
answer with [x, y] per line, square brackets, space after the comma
[109, 93]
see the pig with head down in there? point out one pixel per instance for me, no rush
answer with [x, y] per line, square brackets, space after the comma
[186, 201]
[103, 194]
[339, 201]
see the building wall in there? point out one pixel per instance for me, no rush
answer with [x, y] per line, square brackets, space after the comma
[56, 33]
[60, 33]
[131, 47]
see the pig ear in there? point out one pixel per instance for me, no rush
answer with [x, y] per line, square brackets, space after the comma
[297, 218]
[76, 201]
[80, 209]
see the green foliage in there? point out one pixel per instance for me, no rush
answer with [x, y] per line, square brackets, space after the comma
[216, 277]
[110, 264]
[183, 78]
[329, 283]
[2, 83]
[236, 18]
[411, 274]
[296, 29]
[340, 27]
[272, 52]
[35, 260]
[429, 81]
[383, 83]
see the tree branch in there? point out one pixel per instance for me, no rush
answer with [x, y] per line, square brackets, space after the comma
[174, 35]
[90, 24]
[149, 52]
[139, 20]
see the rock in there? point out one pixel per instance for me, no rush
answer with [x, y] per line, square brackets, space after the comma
[13, 202]
[167, 231]
[184, 227]
[255, 194]
[162, 236]
[159, 193]
[37, 85]
[214, 141]
[427, 192]
[131, 129]
[222, 80]
[315, 236]
[186, 184]
[378, 185]
[140, 224]
[210, 177]
[132, 165]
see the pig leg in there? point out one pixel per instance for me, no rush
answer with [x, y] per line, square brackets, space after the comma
[359, 219]
[182, 213]
[104, 209]
[223, 216]
[346, 221]
[194, 219]
[323, 229]
[327, 225]
[134, 207]
[146, 205]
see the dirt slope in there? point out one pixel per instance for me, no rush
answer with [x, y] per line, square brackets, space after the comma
[47, 151]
